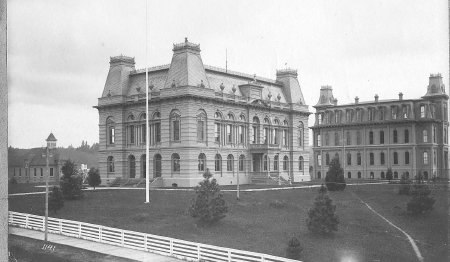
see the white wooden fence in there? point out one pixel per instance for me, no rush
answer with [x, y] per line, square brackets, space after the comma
[181, 249]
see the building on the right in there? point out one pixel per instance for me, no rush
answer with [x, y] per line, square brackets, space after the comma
[408, 135]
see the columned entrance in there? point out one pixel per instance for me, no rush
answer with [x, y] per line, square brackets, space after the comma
[157, 165]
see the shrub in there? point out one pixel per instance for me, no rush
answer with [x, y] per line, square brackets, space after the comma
[55, 200]
[208, 206]
[13, 181]
[334, 179]
[294, 249]
[389, 174]
[71, 181]
[405, 185]
[321, 217]
[94, 177]
[174, 185]
[421, 202]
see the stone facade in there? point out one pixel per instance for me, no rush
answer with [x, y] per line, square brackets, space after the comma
[201, 117]
[408, 135]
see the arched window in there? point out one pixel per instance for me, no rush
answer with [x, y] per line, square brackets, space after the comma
[131, 133]
[372, 176]
[156, 128]
[265, 163]
[110, 127]
[218, 127]
[131, 166]
[358, 159]
[241, 163]
[319, 175]
[425, 158]
[255, 130]
[229, 129]
[175, 162]
[425, 136]
[359, 174]
[406, 136]
[143, 166]
[157, 160]
[110, 164]
[300, 134]
[349, 175]
[266, 130]
[201, 126]
[218, 163]
[285, 163]
[241, 130]
[275, 162]
[319, 160]
[175, 123]
[201, 162]
[143, 130]
[230, 162]
[349, 159]
[300, 163]
[327, 159]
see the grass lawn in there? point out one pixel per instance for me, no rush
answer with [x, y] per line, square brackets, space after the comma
[28, 250]
[26, 187]
[256, 224]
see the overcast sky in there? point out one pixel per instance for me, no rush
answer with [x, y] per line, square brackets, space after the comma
[58, 51]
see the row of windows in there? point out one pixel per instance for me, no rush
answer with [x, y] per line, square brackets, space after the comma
[374, 114]
[35, 173]
[382, 175]
[372, 158]
[395, 138]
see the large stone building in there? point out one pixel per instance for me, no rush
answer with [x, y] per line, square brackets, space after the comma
[408, 135]
[201, 117]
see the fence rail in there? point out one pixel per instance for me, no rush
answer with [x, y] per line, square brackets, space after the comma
[181, 249]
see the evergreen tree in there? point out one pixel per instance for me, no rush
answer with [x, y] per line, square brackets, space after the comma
[322, 218]
[389, 174]
[71, 181]
[208, 206]
[421, 202]
[94, 177]
[334, 179]
[294, 249]
[55, 200]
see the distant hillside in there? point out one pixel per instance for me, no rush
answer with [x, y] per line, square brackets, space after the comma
[16, 156]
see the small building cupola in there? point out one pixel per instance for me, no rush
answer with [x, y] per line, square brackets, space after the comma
[400, 96]
[326, 97]
[435, 86]
[376, 98]
[51, 141]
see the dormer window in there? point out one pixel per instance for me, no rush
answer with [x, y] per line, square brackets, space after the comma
[404, 111]
[422, 111]
[394, 113]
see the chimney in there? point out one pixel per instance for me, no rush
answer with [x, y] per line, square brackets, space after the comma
[335, 101]
[356, 100]
[376, 98]
[400, 96]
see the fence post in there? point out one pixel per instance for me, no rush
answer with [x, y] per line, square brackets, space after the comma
[43, 224]
[262, 258]
[171, 247]
[60, 226]
[100, 234]
[198, 252]
[229, 255]
[145, 242]
[79, 230]
[123, 241]
[26, 221]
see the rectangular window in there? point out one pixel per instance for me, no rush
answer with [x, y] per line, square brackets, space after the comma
[372, 159]
[425, 158]
[200, 131]
[394, 112]
[51, 171]
[381, 112]
[229, 134]
[42, 173]
[381, 137]
[318, 140]
[382, 158]
[406, 158]
[425, 136]
[395, 158]
[254, 134]
[371, 137]
[35, 172]
[217, 131]
[404, 112]
[144, 133]
[131, 134]
[395, 136]
[176, 130]
[275, 136]
[266, 135]
[241, 164]
[434, 134]
[241, 134]
[111, 135]
[358, 138]
[158, 132]
[422, 111]
[285, 138]
[336, 139]
[349, 141]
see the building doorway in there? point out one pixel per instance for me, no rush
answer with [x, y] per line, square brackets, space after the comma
[157, 165]
[132, 166]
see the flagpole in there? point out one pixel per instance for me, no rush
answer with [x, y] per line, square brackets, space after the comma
[147, 136]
